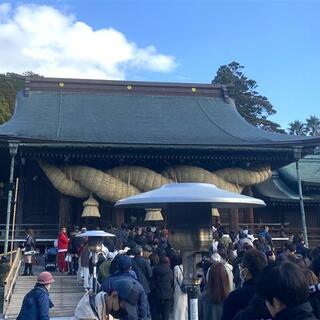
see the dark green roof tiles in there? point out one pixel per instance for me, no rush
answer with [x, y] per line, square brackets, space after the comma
[154, 114]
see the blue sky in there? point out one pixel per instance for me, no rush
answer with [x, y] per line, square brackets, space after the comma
[276, 41]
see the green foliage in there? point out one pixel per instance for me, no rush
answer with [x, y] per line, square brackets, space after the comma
[254, 107]
[5, 112]
[311, 127]
[10, 83]
[297, 127]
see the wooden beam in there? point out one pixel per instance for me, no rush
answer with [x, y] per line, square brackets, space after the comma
[117, 216]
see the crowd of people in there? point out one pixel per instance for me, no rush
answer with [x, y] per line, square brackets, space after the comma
[242, 276]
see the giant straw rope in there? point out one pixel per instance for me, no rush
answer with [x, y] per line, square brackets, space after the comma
[124, 181]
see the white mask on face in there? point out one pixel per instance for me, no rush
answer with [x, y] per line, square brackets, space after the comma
[48, 286]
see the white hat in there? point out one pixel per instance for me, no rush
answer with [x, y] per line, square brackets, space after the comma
[110, 255]
[215, 257]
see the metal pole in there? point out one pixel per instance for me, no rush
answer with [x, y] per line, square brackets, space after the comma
[193, 312]
[94, 277]
[13, 148]
[303, 214]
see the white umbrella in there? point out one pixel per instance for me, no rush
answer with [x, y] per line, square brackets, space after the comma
[95, 239]
[95, 233]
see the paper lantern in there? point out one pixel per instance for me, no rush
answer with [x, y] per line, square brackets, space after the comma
[153, 214]
[215, 212]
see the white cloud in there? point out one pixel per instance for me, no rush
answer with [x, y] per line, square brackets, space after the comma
[46, 41]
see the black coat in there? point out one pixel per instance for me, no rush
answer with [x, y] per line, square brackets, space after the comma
[314, 299]
[29, 243]
[141, 240]
[76, 244]
[256, 310]
[143, 271]
[238, 299]
[131, 244]
[301, 249]
[162, 282]
[299, 312]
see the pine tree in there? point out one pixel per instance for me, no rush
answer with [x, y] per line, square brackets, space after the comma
[254, 107]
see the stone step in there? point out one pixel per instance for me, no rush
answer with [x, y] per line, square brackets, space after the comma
[65, 294]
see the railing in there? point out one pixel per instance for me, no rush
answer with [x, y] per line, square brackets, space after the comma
[313, 235]
[280, 232]
[2, 255]
[275, 228]
[11, 279]
[5, 256]
[41, 231]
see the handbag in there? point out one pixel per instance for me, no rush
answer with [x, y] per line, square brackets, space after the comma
[182, 286]
[68, 258]
[29, 253]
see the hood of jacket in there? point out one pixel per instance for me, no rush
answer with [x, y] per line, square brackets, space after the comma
[299, 312]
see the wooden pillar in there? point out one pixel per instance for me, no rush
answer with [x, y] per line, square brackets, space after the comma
[117, 216]
[250, 217]
[64, 211]
[234, 220]
[65, 206]
[76, 209]
[249, 212]
[23, 184]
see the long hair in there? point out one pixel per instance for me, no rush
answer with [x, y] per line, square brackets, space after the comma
[312, 279]
[218, 286]
[29, 232]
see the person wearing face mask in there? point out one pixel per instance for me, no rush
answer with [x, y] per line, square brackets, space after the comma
[36, 304]
[252, 263]
[125, 272]
[63, 243]
[284, 288]
[120, 302]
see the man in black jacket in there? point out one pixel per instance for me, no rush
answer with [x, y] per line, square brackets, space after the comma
[285, 290]
[252, 263]
[142, 269]
[76, 244]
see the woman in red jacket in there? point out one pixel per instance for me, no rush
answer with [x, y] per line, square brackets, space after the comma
[63, 242]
